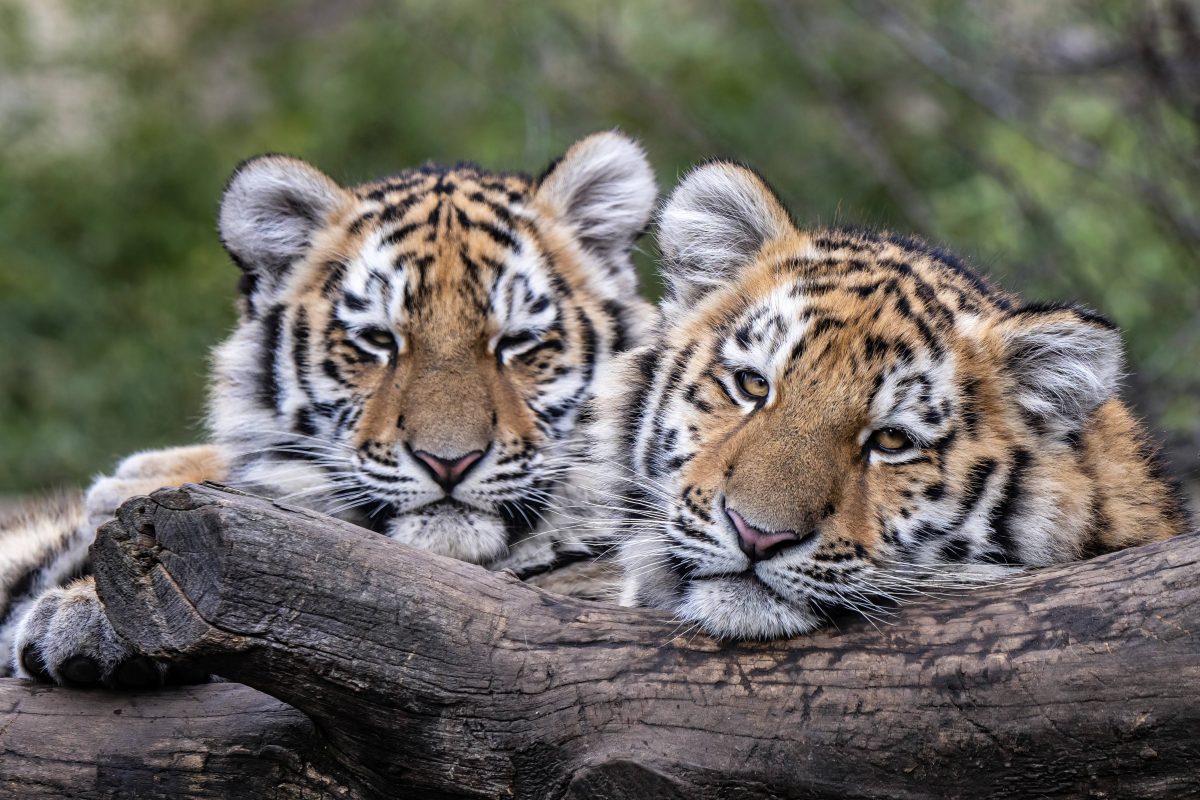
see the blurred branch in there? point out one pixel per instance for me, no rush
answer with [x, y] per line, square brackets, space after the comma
[1175, 75]
[850, 116]
[604, 52]
[1062, 62]
[1031, 210]
[1001, 102]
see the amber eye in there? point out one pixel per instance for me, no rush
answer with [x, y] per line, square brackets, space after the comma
[891, 440]
[378, 337]
[752, 384]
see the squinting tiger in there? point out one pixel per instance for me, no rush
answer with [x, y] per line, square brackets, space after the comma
[411, 355]
[829, 419]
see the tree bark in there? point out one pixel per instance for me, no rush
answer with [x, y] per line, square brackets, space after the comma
[214, 741]
[419, 676]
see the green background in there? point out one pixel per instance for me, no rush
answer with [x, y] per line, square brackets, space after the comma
[1053, 144]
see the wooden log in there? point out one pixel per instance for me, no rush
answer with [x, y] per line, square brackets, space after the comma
[427, 677]
[213, 741]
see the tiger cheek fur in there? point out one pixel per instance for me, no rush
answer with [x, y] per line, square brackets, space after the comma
[840, 419]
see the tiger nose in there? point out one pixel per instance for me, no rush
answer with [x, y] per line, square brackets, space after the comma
[448, 472]
[759, 545]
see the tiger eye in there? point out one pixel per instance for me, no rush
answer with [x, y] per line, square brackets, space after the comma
[378, 337]
[752, 384]
[891, 440]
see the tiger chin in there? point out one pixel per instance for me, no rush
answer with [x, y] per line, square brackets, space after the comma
[411, 355]
[832, 420]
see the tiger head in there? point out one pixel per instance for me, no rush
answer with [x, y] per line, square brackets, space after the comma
[412, 353]
[825, 420]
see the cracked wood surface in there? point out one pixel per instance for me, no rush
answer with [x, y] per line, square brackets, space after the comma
[215, 741]
[426, 677]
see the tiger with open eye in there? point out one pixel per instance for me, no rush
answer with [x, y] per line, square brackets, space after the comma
[828, 419]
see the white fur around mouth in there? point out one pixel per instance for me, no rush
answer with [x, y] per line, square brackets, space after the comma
[451, 528]
[743, 607]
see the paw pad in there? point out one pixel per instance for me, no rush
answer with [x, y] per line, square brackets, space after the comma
[80, 671]
[138, 672]
[31, 662]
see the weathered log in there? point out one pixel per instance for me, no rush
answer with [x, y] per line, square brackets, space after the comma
[427, 677]
[213, 741]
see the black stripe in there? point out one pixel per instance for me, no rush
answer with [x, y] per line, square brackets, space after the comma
[268, 356]
[300, 355]
[18, 590]
[673, 378]
[875, 347]
[534, 353]
[692, 395]
[955, 551]
[331, 370]
[332, 286]
[821, 325]
[639, 395]
[1001, 516]
[697, 533]
[399, 208]
[721, 385]
[951, 263]
[977, 477]
[588, 333]
[615, 312]
[357, 225]
[970, 405]
[304, 421]
[500, 236]
[560, 560]
[401, 233]
[834, 242]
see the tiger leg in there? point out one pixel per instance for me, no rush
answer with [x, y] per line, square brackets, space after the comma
[58, 631]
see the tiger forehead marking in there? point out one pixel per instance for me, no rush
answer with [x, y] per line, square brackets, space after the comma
[414, 351]
[458, 255]
[828, 419]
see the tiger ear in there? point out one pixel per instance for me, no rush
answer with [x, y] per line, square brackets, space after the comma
[714, 223]
[1065, 363]
[272, 207]
[604, 189]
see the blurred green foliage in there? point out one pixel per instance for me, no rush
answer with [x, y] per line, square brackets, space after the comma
[1037, 139]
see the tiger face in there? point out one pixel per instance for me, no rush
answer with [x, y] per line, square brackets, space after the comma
[412, 353]
[830, 420]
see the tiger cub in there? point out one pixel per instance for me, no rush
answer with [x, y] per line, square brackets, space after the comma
[824, 417]
[411, 355]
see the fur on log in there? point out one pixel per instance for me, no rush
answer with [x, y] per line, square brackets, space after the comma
[406, 674]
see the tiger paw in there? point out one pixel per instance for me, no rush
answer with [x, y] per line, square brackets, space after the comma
[65, 638]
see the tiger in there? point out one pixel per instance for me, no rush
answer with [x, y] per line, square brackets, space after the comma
[411, 355]
[826, 421]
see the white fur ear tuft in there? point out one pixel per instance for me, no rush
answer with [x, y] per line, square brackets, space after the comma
[271, 208]
[713, 224]
[1065, 363]
[604, 188]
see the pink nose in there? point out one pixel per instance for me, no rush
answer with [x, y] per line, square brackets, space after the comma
[757, 544]
[448, 472]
